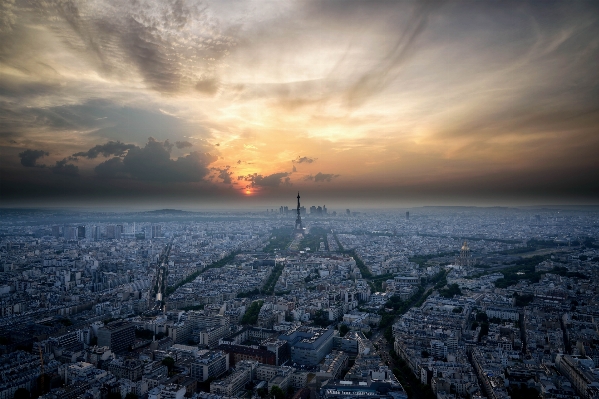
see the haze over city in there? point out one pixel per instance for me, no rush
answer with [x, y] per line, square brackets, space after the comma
[241, 104]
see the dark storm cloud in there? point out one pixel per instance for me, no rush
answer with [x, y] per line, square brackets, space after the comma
[273, 180]
[304, 160]
[112, 168]
[65, 168]
[183, 144]
[224, 174]
[111, 148]
[29, 158]
[324, 177]
[153, 163]
[321, 177]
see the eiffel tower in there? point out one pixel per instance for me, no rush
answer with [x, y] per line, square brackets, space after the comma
[299, 227]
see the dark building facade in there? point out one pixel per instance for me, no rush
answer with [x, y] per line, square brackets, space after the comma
[238, 353]
[118, 336]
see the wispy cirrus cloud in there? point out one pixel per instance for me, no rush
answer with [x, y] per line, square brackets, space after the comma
[150, 38]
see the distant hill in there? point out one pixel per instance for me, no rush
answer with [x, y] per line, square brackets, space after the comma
[168, 212]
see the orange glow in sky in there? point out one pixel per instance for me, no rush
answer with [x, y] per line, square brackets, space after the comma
[266, 97]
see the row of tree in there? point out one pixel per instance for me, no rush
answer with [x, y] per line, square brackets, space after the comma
[252, 312]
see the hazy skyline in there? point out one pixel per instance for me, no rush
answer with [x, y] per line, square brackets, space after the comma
[243, 103]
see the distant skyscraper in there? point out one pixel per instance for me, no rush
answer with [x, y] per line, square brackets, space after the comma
[96, 233]
[156, 231]
[56, 231]
[89, 232]
[408, 215]
[81, 232]
[110, 232]
[69, 232]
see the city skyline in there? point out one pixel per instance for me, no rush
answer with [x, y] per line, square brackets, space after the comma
[240, 104]
[457, 302]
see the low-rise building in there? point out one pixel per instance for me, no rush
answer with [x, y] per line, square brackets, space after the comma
[212, 364]
[234, 382]
[309, 345]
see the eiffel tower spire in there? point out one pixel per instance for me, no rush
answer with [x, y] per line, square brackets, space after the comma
[299, 227]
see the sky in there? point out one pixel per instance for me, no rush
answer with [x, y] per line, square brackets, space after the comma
[246, 102]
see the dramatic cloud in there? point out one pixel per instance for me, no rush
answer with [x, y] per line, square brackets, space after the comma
[151, 38]
[65, 168]
[112, 168]
[321, 177]
[183, 144]
[324, 177]
[273, 180]
[111, 148]
[153, 163]
[304, 160]
[224, 174]
[387, 69]
[29, 158]
[427, 98]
